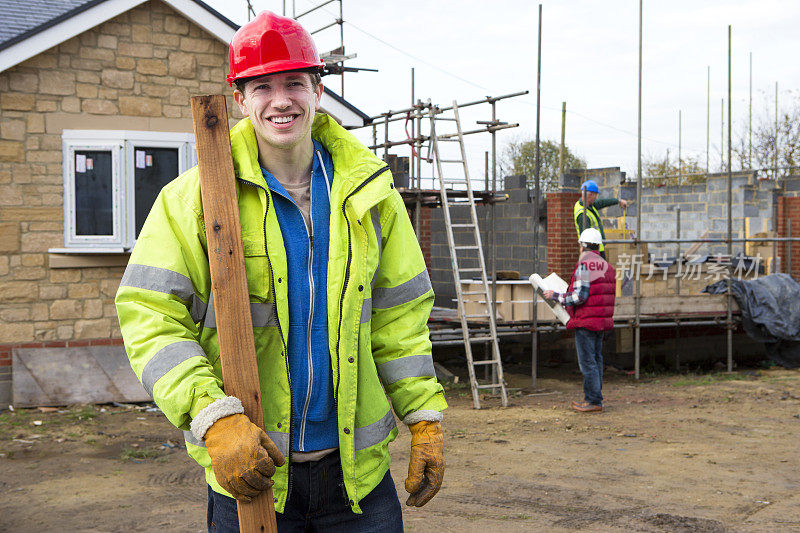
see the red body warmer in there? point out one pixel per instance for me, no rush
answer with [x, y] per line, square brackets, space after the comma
[597, 312]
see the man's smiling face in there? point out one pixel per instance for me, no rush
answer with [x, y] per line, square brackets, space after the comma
[281, 107]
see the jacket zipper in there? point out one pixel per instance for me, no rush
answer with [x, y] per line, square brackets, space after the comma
[310, 235]
[346, 279]
[280, 333]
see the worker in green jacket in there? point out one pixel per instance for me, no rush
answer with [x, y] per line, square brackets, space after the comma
[588, 217]
[339, 296]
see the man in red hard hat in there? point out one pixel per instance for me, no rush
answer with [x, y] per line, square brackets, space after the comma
[340, 298]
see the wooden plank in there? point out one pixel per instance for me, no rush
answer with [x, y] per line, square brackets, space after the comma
[701, 304]
[64, 376]
[229, 282]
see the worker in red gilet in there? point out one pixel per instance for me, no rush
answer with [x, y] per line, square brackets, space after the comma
[589, 300]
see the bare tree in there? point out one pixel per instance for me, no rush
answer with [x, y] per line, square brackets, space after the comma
[519, 157]
[771, 146]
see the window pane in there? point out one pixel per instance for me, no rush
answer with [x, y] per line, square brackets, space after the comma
[94, 212]
[153, 168]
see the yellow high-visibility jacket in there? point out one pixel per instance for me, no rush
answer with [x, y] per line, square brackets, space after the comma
[379, 299]
[592, 220]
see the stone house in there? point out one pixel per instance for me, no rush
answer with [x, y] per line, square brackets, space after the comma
[94, 119]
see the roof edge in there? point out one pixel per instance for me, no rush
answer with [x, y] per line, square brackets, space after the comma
[217, 14]
[49, 24]
[348, 105]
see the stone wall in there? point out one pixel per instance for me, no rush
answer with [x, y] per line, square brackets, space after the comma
[134, 72]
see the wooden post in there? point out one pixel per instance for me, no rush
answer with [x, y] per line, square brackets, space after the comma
[229, 282]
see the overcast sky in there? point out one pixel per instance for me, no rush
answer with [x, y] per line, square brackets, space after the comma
[468, 49]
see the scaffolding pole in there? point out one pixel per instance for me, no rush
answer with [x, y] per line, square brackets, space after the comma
[638, 295]
[729, 299]
[534, 333]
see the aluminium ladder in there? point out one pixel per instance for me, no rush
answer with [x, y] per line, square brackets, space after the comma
[470, 253]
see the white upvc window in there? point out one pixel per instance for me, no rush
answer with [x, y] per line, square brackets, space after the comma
[112, 178]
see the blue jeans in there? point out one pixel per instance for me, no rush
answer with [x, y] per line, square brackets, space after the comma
[590, 359]
[318, 502]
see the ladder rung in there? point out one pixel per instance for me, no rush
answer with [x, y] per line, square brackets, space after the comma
[445, 118]
[470, 270]
[481, 339]
[459, 204]
[451, 161]
[486, 362]
[450, 342]
[477, 316]
[448, 139]
[466, 247]
[493, 386]
[462, 225]
[473, 292]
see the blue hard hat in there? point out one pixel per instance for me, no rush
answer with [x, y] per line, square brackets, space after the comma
[590, 186]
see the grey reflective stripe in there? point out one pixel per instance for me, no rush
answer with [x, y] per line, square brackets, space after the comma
[376, 224]
[198, 309]
[166, 281]
[263, 315]
[159, 280]
[281, 440]
[366, 310]
[413, 366]
[166, 359]
[189, 437]
[374, 433]
[384, 298]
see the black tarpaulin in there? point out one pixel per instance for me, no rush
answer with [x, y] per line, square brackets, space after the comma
[770, 309]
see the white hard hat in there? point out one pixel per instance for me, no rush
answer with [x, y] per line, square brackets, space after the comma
[590, 236]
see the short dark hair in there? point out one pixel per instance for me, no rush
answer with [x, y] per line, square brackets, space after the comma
[316, 78]
[591, 246]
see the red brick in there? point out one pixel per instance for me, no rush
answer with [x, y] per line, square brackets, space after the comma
[30, 345]
[73, 344]
[100, 342]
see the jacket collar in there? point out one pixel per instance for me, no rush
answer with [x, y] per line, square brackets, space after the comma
[353, 163]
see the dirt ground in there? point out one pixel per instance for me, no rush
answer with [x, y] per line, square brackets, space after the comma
[713, 452]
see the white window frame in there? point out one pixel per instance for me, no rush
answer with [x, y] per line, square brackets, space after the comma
[71, 238]
[122, 144]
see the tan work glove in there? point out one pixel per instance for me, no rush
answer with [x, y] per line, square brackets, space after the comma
[426, 467]
[242, 455]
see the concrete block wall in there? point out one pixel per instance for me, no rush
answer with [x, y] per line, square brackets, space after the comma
[513, 233]
[703, 207]
[134, 72]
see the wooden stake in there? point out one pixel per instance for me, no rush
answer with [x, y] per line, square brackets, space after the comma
[229, 282]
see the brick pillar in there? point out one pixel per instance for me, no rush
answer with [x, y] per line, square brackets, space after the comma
[424, 231]
[562, 241]
[789, 209]
[425, 234]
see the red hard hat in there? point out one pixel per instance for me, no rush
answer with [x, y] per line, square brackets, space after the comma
[270, 43]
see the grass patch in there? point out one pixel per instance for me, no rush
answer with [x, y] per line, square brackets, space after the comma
[15, 419]
[84, 413]
[460, 389]
[710, 379]
[129, 453]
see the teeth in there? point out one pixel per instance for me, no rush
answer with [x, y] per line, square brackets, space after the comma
[281, 120]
